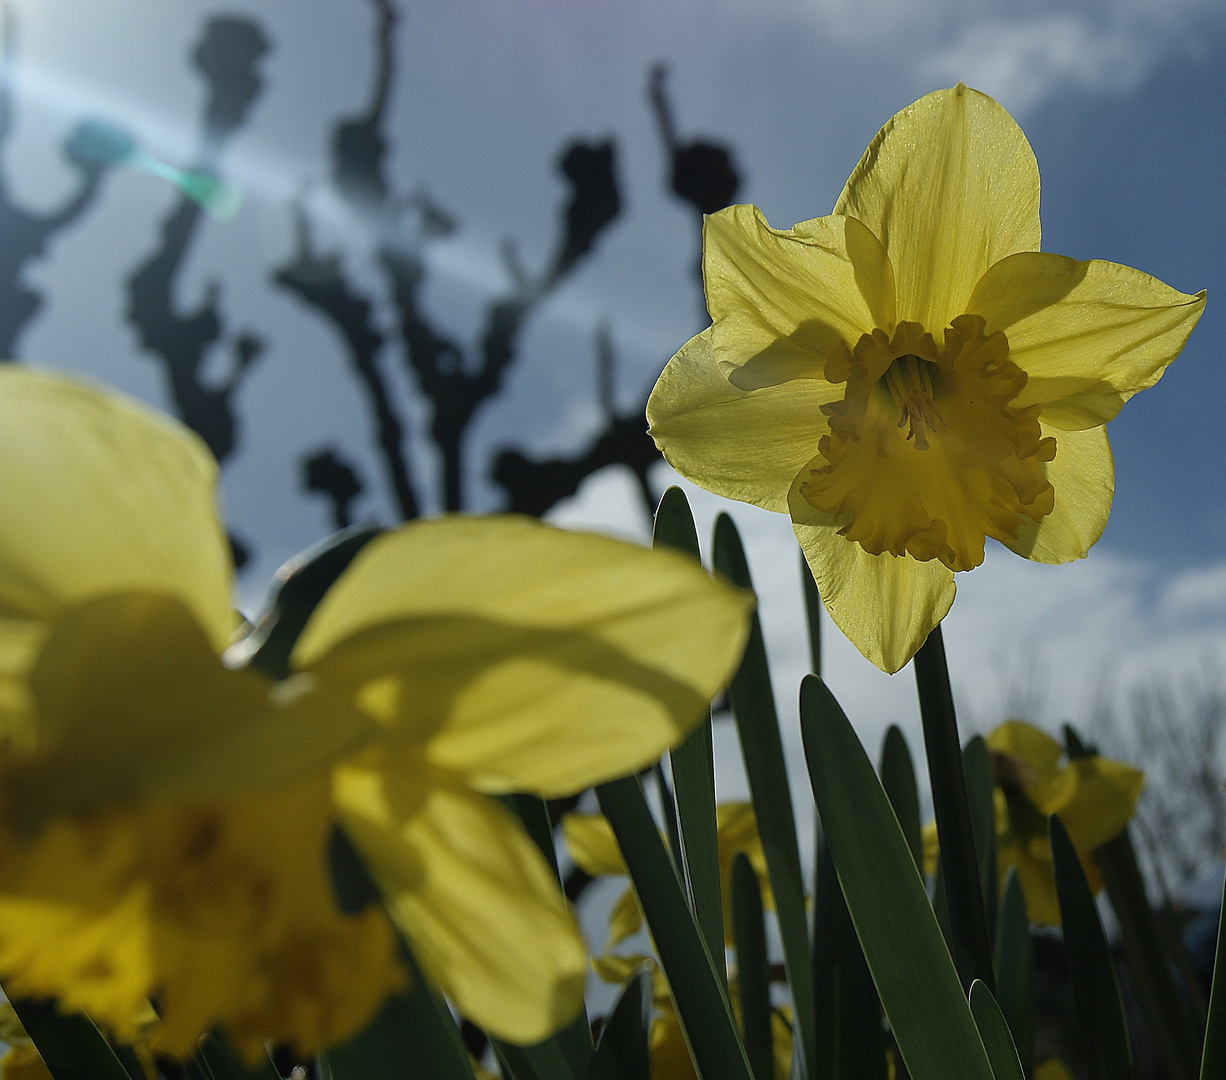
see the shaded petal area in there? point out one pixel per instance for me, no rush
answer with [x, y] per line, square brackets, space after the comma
[224, 912]
[885, 604]
[780, 300]
[491, 670]
[129, 701]
[1082, 475]
[742, 444]
[949, 186]
[1088, 334]
[101, 495]
[482, 911]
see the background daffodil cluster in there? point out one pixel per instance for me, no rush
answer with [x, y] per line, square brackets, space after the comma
[167, 815]
[912, 375]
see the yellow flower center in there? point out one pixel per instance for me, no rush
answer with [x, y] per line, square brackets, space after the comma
[926, 455]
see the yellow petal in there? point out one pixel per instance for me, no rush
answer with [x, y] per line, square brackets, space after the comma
[23, 1063]
[1088, 334]
[886, 604]
[130, 701]
[590, 842]
[1093, 796]
[524, 657]
[224, 911]
[741, 444]
[625, 919]
[779, 300]
[949, 186]
[1032, 745]
[1082, 475]
[101, 495]
[482, 911]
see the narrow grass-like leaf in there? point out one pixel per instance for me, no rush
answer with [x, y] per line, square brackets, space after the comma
[1213, 1056]
[543, 1061]
[906, 954]
[1096, 993]
[1168, 1013]
[898, 779]
[693, 763]
[752, 968]
[1013, 959]
[71, 1046]
[850, 1041]
[574, 1040]
[994, 1030]
[951, 808]
[757, 723]
[697, 988]
[977, 767]
[623, 1050]
[813, 616]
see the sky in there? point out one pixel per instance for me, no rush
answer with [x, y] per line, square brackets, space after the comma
[1123, 102]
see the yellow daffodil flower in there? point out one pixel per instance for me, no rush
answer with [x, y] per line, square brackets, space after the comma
[666, 1046]
[165, 815]
[591, 844]
[1093, 797]
[911, 375]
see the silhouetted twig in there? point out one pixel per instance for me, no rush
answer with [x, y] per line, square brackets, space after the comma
[226, 57]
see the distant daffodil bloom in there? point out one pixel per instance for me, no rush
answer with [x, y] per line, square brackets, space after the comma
[165, 813]
[912, 375]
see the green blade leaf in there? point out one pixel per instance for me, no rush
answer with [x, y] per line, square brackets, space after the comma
[222, 1063]
[994, 1030]
[623, 1050]
[693, 764]
[980, 785]
[698, 990]
[851, 1044]
[1213, 1056]
[898, 779]
[813, 615]
[1013, 959]
[752, 968]
[71, 1046]
[898, 932]
[541, 1061]
[1096, 994]
[1165, 1003]
[753, 707]
[951, 808]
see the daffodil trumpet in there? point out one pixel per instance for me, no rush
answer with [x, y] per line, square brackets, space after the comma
[910, 375]
[166, 807]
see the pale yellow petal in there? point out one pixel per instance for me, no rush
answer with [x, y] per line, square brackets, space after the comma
[625, 919]
[482, 911]
[590, 842]
[886, 604]
[1032, 745]
[746, 445]
[779, 300]
[130, 702]
[1089, 335]
[949, 186]
[1082, 475]
[1094, 797]
[101, 495]
[524, 657]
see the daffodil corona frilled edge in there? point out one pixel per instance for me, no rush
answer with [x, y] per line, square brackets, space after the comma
[912, 375]
[165, 815]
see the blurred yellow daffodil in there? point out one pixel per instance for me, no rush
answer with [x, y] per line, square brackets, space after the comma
[1093, 797]
[911, 375]
[165, 815]
[592, 846]
[666, 1046]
